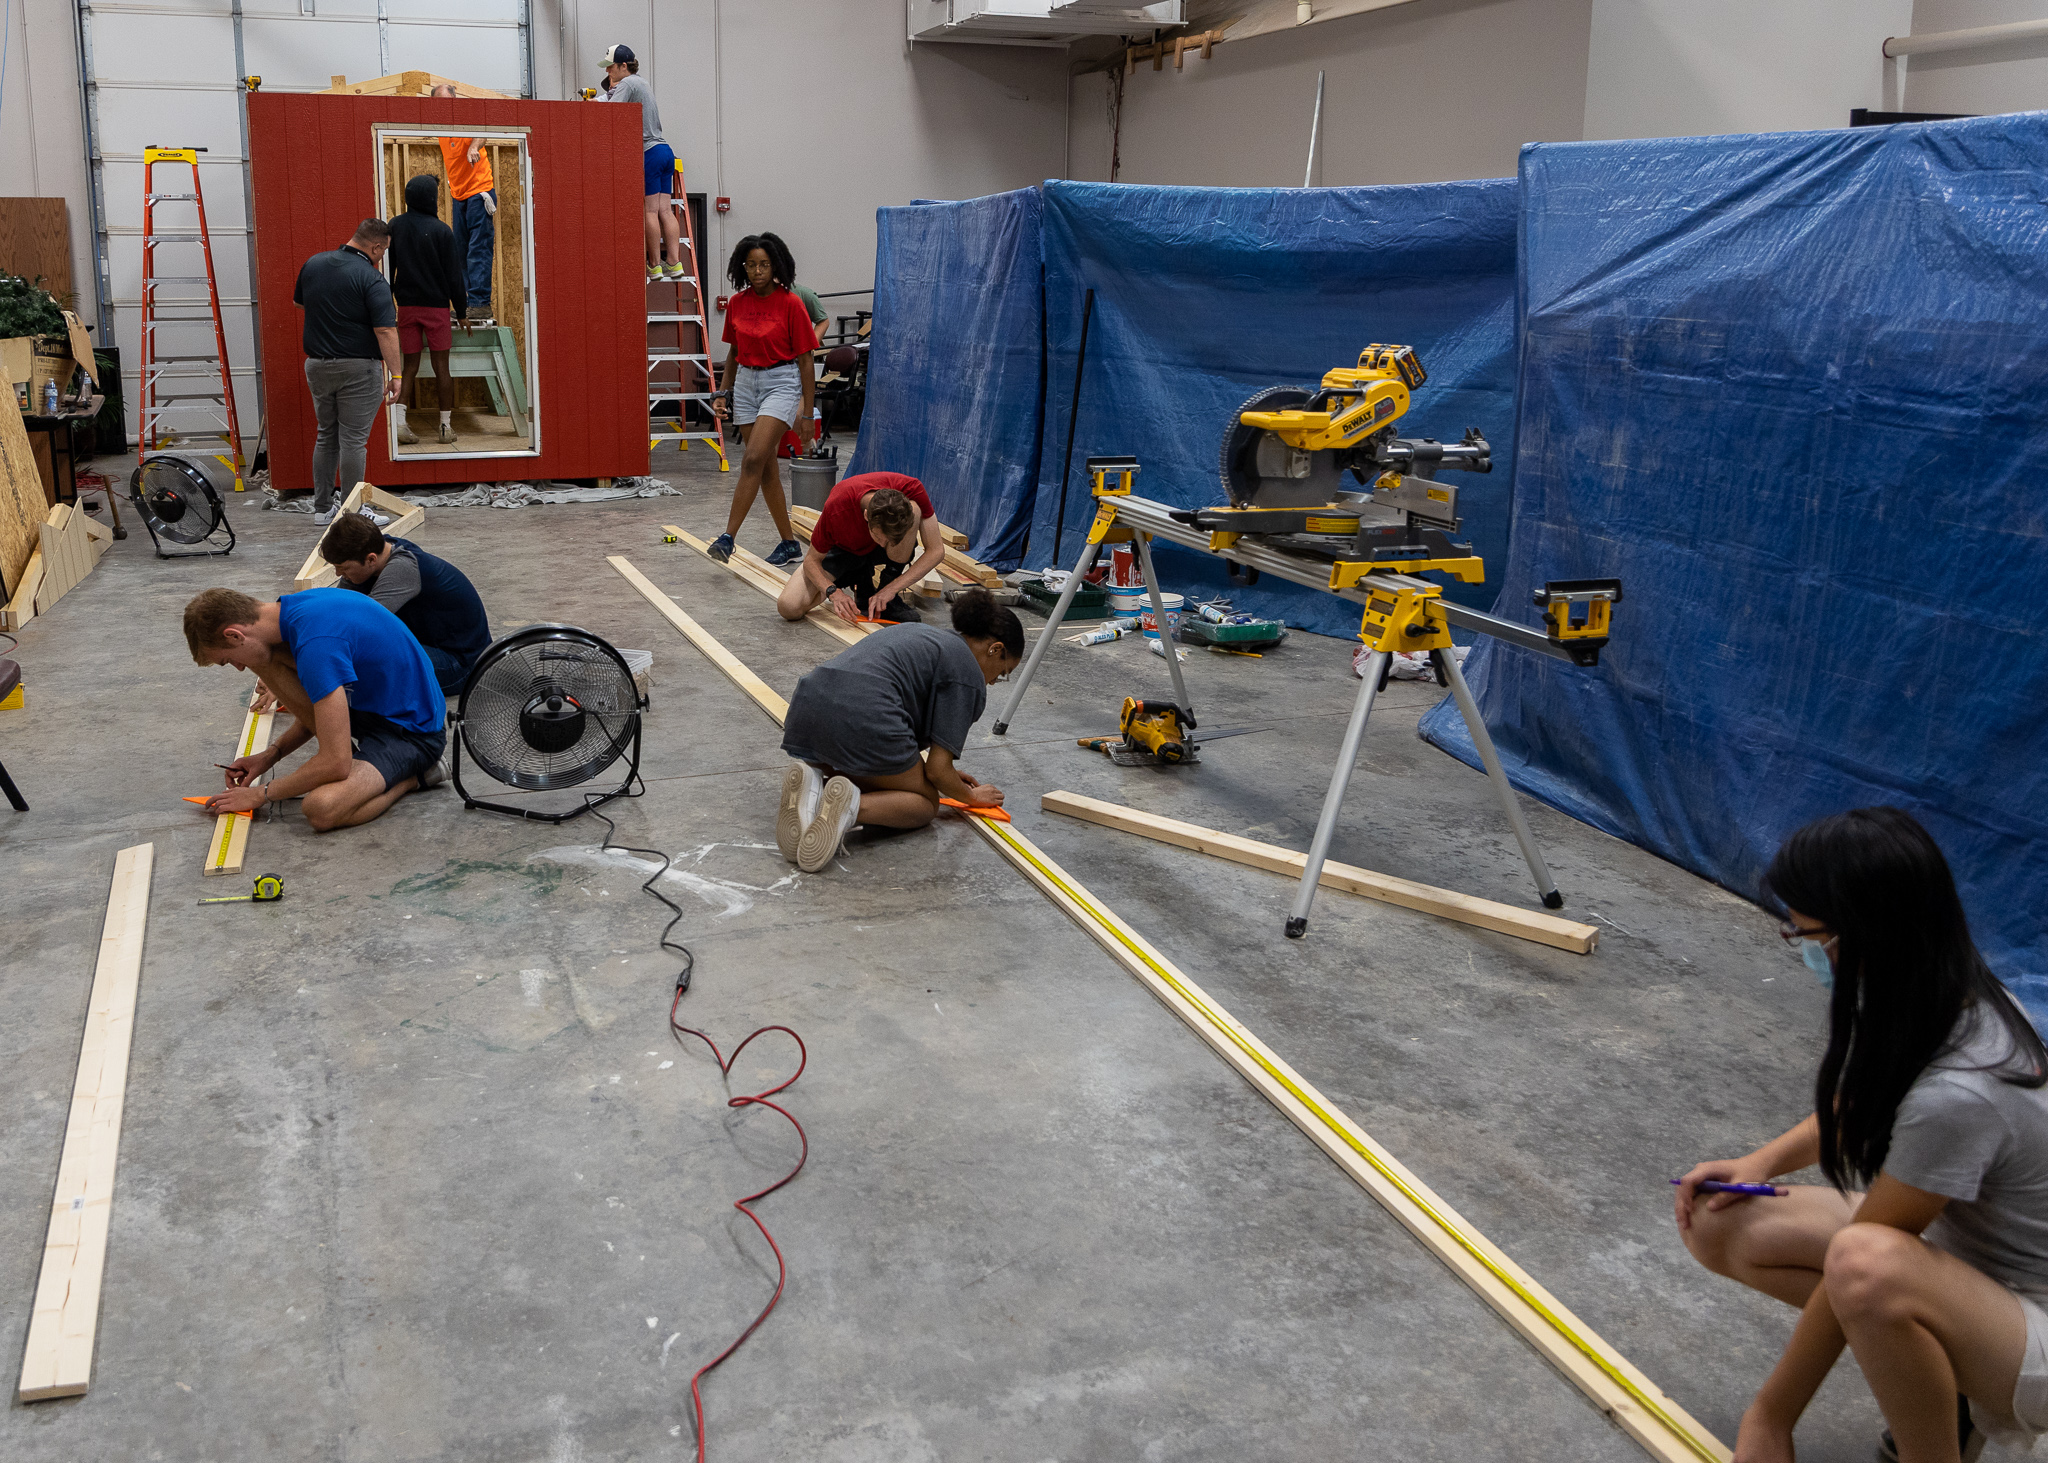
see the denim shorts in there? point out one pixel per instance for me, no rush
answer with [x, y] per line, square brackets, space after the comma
[777, 392]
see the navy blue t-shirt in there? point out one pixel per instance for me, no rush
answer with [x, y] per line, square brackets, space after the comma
[340, 638]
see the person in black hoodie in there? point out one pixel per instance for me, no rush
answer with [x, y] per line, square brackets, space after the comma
[427, 283]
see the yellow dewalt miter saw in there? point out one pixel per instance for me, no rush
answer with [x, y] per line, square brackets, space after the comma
[1325, 469]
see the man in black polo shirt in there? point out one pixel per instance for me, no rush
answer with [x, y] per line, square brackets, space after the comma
[433, 597]
[352, 366]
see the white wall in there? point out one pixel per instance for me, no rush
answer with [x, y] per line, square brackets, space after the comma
[42, 129]
[1677, 68]
[2008, 77]
[1435, 90]
[828, 113]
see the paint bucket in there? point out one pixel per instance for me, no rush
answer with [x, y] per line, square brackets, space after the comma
[1126, 602]
[811, 479]
[1123, 568]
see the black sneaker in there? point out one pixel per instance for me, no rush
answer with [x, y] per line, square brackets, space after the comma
[786, 552]
[721, 548]
[1969, 1441]
[901, 610]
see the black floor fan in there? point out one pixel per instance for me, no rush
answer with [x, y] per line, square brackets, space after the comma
[179, 506]
[546, 708]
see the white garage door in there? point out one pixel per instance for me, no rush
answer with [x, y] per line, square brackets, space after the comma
[167, 74]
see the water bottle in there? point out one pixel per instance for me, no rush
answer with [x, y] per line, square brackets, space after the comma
[50, 397]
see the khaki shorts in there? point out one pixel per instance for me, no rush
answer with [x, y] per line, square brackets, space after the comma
[2028, 1418]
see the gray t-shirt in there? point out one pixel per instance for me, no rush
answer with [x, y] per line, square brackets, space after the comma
[1982, 1143]
[636, 89]
[871, 709]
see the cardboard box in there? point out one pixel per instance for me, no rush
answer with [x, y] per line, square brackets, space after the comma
[36, 359]
[17, 357]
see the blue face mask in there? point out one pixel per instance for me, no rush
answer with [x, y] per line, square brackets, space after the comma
[1814, 953]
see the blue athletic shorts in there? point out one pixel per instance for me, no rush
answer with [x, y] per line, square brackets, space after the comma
[660, 163]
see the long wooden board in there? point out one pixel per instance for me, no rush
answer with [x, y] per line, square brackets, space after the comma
[229, 843]
[698, 636]
[1605, 1376]
[1544, 929]
[58, 1359]
[1664, 1429]
[956, 565]
[317, 573]
[765, 577]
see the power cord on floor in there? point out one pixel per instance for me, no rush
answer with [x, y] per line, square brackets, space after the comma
[689, 961]
[742, 1100]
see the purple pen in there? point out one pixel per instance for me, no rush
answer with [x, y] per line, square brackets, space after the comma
[1715, 1186]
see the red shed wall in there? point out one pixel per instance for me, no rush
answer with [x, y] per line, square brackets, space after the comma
[313, 171]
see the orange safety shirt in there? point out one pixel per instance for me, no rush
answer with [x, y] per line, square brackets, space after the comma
[466, 179]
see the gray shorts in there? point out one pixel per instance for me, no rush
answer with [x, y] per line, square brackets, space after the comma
[849, 721]
[393, 750]
[777, 392]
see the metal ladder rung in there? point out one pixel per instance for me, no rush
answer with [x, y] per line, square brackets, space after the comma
[675, 356]
[654, 396]
[153, 360]
[170, 198]
[156, 279]
[165, 397]
[150, 241]
[675, 319]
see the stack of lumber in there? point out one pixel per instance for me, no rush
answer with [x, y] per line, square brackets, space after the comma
[70, 544]
[956, 566]
[317, 573]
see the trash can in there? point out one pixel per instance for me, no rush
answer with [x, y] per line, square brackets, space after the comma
[811, 478]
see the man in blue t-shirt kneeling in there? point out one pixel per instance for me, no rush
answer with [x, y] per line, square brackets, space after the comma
[353, 677]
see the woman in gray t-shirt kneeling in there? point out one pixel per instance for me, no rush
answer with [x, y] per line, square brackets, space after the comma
[874, 730]
[1931, 1101]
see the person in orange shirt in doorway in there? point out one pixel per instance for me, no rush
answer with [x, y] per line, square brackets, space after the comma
[475, 195]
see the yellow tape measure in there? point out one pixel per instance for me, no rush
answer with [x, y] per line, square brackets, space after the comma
[268, 887]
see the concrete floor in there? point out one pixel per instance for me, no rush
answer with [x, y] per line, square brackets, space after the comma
[407, 1174]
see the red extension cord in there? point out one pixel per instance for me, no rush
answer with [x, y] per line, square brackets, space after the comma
[757, 1099]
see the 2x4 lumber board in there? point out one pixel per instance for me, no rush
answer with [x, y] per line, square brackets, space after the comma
[1606, 1377]
[1596, 1368]
[698, 636]
[1544, 929]
[229, 842]
[58, 1359]
[317, 573]
[956, 565]
[765, 577]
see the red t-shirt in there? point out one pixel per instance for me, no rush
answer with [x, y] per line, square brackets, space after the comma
[767, 332]
[841, 524]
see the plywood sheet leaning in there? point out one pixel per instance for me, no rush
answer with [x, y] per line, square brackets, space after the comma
[229, 842]
[58, 1359]
[1529, 924]
[317, 573]
[1664, 1429]
[22, 505]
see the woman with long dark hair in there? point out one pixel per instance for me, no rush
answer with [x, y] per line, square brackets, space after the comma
[1927, 1251]
[769, 381]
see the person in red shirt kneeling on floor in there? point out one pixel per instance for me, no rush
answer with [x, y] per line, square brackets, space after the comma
[769, 381]
[860, 563]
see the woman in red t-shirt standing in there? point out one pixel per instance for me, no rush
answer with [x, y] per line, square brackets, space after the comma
[768, 381]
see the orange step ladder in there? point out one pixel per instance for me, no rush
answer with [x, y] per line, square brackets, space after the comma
[679, 366]
[180, 379]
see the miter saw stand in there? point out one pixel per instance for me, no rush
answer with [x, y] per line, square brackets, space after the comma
[1402, 613]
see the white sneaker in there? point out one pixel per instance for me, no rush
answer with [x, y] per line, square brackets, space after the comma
[435, 773]
[838, 811]
[321, 520]
[377, 518]
[802, 786]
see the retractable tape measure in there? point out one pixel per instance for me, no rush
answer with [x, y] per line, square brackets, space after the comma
[268, 887]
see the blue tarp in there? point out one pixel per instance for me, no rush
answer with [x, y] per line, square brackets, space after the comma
[1205, 295]
[1790, 389]
[954, 362]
